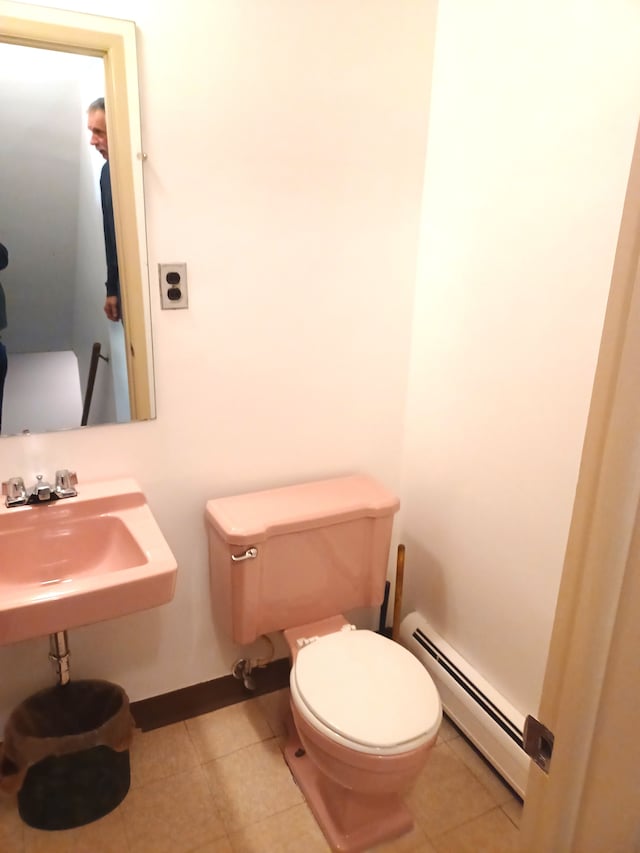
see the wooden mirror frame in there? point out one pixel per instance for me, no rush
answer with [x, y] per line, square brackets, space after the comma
[113, 40]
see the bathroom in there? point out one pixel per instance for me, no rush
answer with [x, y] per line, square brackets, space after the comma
[384, 231]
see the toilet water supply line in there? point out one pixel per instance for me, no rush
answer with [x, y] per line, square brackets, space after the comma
[242, 668]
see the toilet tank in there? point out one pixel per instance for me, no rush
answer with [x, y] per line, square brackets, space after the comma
[285, 557]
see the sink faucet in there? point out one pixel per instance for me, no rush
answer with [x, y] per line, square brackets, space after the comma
[42, 491]
[66, 482]
[15, 491]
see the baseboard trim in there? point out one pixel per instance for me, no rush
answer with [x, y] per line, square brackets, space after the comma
[202, 698]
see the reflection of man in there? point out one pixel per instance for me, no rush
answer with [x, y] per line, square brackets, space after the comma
[4, 260]
[97, 124]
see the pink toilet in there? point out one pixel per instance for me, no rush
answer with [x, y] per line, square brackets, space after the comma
[365, 711]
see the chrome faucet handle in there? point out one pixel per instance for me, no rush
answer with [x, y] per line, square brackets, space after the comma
[65, 483]
[15, 491]
[41, 490]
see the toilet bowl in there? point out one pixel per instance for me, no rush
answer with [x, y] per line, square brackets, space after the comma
[365, 716]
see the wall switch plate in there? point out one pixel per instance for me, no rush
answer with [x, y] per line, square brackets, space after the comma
[173, 285]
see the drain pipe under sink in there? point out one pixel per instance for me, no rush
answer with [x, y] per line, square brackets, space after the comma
[59, 656]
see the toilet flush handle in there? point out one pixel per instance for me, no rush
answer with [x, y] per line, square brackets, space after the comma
[249, 554]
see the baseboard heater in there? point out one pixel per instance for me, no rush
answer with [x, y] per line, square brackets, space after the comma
[486, 718]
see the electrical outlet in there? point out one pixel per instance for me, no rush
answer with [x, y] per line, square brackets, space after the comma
[173, 285]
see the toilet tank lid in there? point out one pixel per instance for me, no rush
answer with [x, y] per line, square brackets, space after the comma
[253, 517]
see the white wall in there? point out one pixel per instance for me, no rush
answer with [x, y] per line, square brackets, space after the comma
[39, 174]
[533, 117]
[286, 144]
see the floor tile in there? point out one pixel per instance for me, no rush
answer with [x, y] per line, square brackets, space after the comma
[106, 835]
[219, 784]
[176, 815]
[11, 826]
[412, 842]
[513, 810]
[252, 784]
[447, 730]
[291, 831]
[275, 707]
[160, 753]
[482, 770]
[493, 832]
[222, 845]
[446, 793]
[228, 729]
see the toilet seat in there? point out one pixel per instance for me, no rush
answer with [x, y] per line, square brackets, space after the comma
[366, 692]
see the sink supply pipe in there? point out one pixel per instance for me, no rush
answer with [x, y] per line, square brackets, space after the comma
[397, 596]
[59, 656]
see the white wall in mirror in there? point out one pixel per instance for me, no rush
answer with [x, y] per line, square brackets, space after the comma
[51, 223]
[42, 390]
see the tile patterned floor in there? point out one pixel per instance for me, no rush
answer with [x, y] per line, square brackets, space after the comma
[219, 784]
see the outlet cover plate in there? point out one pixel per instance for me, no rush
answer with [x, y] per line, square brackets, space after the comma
[173, 285]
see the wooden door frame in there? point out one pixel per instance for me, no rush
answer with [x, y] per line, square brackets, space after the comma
[585, 700]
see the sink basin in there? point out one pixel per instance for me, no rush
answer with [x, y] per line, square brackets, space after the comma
[81, 560]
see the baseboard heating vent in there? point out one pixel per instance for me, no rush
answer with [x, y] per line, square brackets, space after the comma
[487, 719]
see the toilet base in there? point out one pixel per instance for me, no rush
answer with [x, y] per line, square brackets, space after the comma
[354, 829]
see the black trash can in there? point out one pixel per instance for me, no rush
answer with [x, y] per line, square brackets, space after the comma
[67, 734]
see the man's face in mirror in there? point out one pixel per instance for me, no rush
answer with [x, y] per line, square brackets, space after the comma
[97, 126]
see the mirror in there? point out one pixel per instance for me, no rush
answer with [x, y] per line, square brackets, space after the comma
[54, 64]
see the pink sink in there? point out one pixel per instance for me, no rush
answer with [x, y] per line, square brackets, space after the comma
[81, 560]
